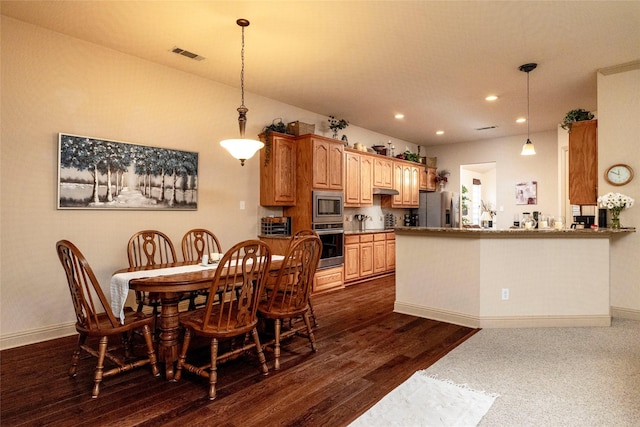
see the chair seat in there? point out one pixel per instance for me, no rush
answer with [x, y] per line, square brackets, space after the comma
[132, 319]
[194, 320]
[278, 311]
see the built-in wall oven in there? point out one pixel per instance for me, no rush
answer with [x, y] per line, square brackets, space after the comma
[328, 222]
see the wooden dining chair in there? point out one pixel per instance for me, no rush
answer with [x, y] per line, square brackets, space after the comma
[147, 248]
[88, 298]
[240, 278]
[303, 233]
[198, 242]
[289, 297]
[195, 243]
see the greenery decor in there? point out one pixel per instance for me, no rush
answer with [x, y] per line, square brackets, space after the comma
[335, 125]
[276, 126]
[413, 157]
[572, 116]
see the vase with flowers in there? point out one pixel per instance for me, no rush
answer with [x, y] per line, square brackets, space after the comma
[335, 125]
[442, 178]
[615, 203]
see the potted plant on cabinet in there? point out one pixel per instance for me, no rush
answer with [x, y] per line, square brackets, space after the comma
[577, 115]
[335, 125]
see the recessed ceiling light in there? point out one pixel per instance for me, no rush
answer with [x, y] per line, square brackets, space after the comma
[399, 116]
[491, 98]
[521, 120]
[440, 132]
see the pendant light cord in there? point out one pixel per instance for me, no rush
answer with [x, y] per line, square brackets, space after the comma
[528, 115]
[242, 70]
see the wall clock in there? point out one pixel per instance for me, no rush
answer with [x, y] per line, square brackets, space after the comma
[619, 174]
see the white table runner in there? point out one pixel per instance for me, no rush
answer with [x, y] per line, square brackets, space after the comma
[120, 281]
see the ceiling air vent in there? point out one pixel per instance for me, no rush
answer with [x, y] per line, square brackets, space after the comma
[188, 54]
[487, 128]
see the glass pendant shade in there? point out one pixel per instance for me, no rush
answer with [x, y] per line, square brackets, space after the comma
[242, 149]
[528, 149]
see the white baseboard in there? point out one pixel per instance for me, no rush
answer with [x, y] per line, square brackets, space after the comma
[37, 335]
[469, 321]
[625, 313]
[435, 314]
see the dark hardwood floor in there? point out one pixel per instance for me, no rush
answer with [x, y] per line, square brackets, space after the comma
[364, 351]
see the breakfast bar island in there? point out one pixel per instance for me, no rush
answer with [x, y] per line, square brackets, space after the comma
[485, 278]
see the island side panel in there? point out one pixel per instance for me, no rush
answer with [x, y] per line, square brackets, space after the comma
[552, 279]
[550, 282]
[438, 278]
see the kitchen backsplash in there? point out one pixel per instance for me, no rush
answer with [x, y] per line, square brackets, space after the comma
[375, 217]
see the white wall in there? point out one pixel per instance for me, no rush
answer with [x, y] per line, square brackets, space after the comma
[619, 142]
[52, 83]
[511, 168]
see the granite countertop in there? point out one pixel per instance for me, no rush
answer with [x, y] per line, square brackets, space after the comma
[513, 232]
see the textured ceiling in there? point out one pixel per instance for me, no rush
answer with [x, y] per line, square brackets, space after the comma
[364, 61]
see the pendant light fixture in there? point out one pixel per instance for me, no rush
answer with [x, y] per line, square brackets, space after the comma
[528, 149]
[243, 148]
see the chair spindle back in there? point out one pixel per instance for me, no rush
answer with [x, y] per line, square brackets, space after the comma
[198, 242]
[150, 247]
[86, 294]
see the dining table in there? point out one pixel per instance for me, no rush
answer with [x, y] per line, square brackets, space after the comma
[169, 282]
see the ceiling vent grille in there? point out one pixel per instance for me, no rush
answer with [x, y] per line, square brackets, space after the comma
[188, 54]
[487, 128]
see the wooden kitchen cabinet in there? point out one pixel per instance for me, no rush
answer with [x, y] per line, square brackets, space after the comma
[406, 180]
[328, 279]
[367, 255]
[351, 257]
[583, 163]
[358, 179]
[379, 253]
[390, 253]
[382, 172]
[327, 163]
[319, 166]
[428, 179]
[278, 171]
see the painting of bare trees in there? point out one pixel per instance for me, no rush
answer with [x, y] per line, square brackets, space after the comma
[100, 174]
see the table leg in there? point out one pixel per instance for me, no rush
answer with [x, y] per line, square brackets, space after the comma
[169, 332]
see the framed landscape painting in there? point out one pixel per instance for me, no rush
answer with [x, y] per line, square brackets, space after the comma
[100, 174]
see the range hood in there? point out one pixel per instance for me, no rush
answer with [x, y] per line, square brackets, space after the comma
[385, 191]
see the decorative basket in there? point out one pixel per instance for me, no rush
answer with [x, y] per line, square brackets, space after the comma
[432, 162]
[298, 128]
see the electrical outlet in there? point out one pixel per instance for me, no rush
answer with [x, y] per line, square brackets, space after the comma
[505, 294]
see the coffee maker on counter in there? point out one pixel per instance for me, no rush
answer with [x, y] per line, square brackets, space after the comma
[411, 220]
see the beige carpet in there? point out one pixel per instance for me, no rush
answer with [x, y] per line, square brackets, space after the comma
[553, 376]
[430, 402]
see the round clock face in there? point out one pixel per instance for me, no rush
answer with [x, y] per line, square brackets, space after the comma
[619, 174]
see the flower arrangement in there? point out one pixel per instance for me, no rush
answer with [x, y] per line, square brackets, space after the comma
[615, 203]
[335, 125]
[441, 176]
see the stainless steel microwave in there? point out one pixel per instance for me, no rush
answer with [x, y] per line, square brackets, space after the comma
[328, 207]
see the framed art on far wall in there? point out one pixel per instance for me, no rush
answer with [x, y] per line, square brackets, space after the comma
[527, 193]
[101, 174]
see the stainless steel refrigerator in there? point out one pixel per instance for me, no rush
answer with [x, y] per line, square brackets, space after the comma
[439, 209]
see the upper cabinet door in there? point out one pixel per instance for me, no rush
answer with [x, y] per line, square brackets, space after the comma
[278, 171]
[382, 173]
[327, 164]
[583, 163]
